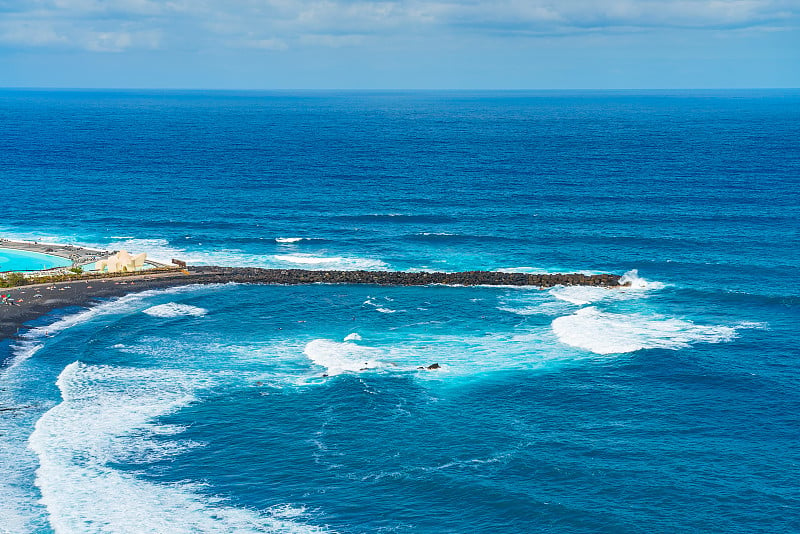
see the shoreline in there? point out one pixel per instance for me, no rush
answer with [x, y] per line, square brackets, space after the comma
[36, 300]
[78, 254]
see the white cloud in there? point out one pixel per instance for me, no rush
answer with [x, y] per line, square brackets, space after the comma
[116, 25]
[331, 41]
[30, 33]
[266, 44]
[120, 41]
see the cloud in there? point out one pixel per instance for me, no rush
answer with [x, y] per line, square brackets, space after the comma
[117, 25]
[30, 34]
[120, 41]
[266, 44]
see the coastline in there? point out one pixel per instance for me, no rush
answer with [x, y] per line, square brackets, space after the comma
[36, 300]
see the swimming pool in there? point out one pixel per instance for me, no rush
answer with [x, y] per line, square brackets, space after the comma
[22, 260]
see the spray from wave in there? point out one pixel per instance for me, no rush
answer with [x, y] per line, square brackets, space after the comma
[634, 281]
[613, 333]
[174, 309]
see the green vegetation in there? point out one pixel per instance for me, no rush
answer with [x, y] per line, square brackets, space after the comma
[13, 280]
[19, 279]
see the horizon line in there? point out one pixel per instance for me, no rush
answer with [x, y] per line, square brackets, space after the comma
[390, 89]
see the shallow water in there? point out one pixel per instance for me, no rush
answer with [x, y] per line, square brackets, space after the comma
[21, 260]
[669, 406]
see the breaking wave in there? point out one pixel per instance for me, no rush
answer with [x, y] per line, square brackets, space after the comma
[338, 358]
[613, 333]
[330, 262]
[107, 416]
[174, 309]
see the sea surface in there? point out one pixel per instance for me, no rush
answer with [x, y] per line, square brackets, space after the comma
[670, 406]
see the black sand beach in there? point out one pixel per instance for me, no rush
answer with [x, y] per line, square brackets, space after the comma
[33, 301]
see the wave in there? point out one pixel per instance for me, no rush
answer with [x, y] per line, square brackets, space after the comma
[174, 309]
[290, 239]
[447, 237]
[331, 262]
[338, 358]
[582, 295]
[612, 333]
[636, 282]
[161, 250]
[107, 416]
[396, 218]
[526, 270]
[32, 341]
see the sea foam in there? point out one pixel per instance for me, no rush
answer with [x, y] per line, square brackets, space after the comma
[612, 333]
[636, 282]
[339, 358]
[174, 309]
[330, 262]
[107, 416]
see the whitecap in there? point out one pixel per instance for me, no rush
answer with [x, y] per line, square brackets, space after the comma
[107, 416]
[353, 337]
[612, 333]
[385, 310]
[634, 281]
[524, 270]
[32, 340]
[290, 239]
[583, 295]
[331, 262]
[174, 309]
[338, 358]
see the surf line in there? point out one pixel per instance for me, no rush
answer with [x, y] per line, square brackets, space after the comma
[35, 300]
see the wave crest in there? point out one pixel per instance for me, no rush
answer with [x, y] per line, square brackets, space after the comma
[612, 333]
[174, 309]
[107, 416]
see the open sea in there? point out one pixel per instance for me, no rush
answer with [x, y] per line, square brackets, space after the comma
[671, 406]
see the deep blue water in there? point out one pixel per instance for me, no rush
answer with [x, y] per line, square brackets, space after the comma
[668, 407]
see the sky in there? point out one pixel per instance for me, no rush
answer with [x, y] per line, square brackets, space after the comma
[400, 44]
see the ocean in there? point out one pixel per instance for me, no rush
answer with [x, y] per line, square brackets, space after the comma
[669, 406]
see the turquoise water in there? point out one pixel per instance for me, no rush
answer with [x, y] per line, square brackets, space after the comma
[21, 260]
[670, 406]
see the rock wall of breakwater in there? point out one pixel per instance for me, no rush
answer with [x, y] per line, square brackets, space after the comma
[395, 278]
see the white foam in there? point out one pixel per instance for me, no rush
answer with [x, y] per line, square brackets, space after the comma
[583, 295]
[290, 239]
[174, 309]
[339, 358]
[331, 262]
[106, 417]
[161, 250]
[611, 333]
[353, 337]
[526, 270]
[524, 310]
[385, 310]
[636, 282]
[32, 340]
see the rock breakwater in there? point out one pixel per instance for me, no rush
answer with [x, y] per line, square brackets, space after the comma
[28, 302]
[396, 278]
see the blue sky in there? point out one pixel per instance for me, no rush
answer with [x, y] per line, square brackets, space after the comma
[401, 44]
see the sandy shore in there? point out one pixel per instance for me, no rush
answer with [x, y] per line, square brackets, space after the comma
[33, 301]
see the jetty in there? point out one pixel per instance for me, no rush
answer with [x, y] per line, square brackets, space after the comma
[398, 278]
[26, 303]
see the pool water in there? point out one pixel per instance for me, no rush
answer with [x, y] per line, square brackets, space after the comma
[22, 260]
